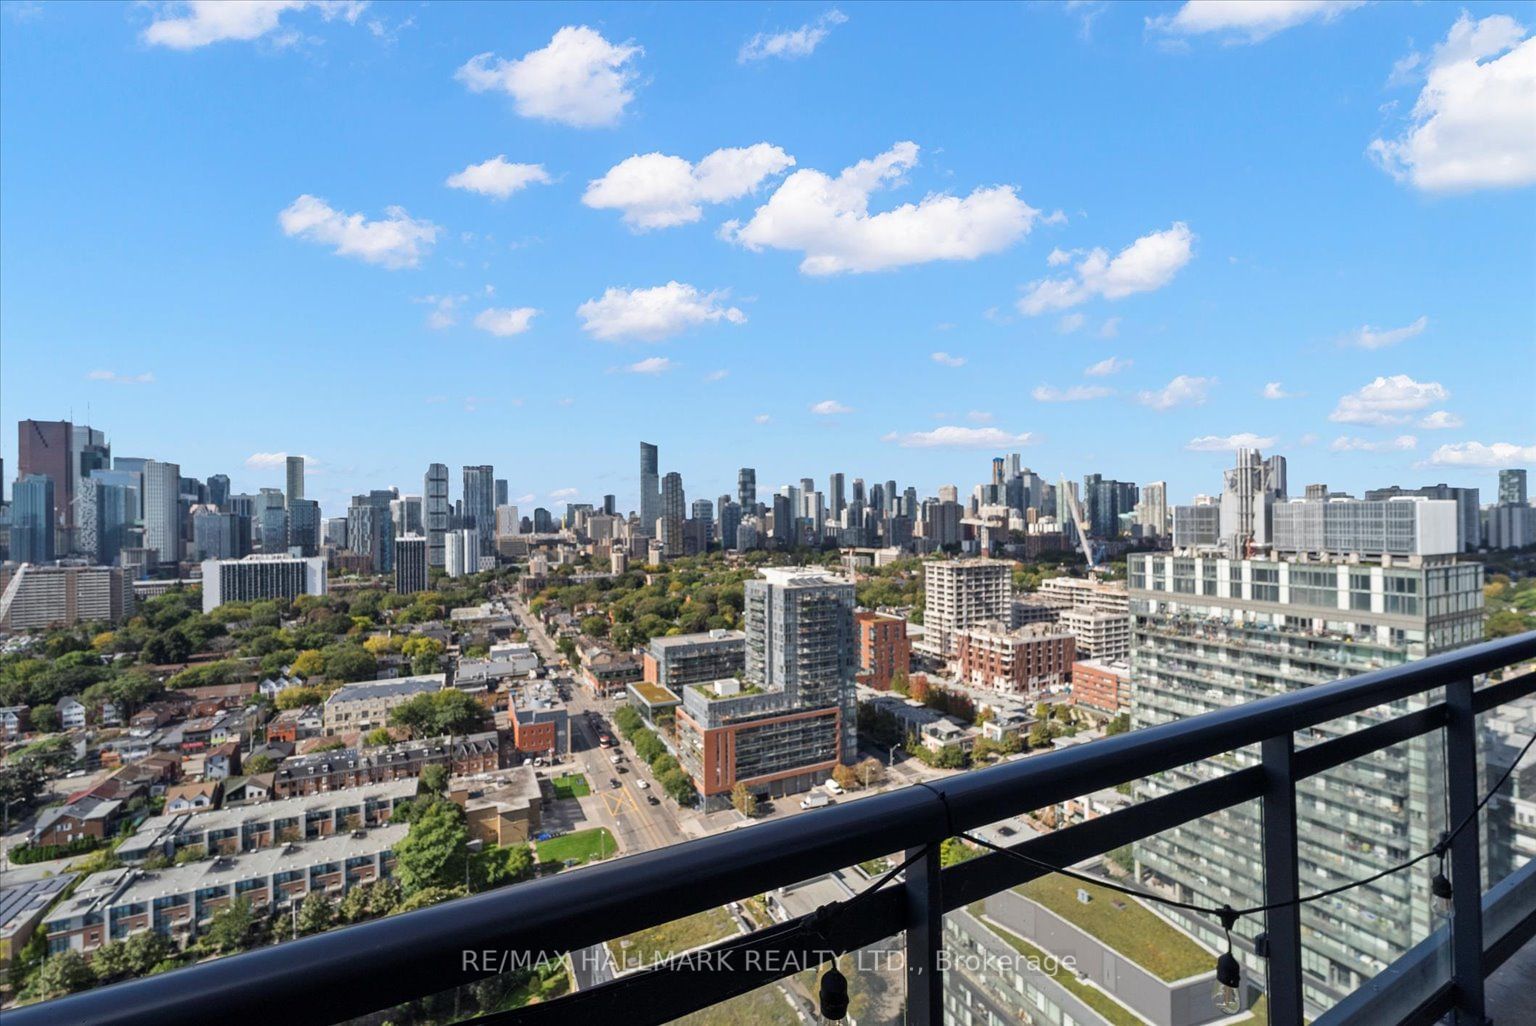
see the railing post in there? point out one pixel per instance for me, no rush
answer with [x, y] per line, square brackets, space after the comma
[1282, 882]
[925, 937]
[1461, 783]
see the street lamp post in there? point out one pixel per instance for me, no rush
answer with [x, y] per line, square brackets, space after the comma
[470, 848]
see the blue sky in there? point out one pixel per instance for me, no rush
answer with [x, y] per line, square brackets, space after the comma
[228, 233]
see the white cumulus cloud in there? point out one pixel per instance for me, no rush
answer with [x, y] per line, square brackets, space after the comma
[948, 359]
[1367, 337]
[498, 178]
[650, 315]
[1147, 264]
[1472, 126]
[650, 365]
[828, 219]
[1388, 400]
[1477, 454]
[1074, 394]
[504, 322]
[793, 43]
[579, 79]
[955, 437]
[1402, 443]
[1106, 367]
[1440, 420]
[829, 408]
[396, 240]
[1181, 391]
[1275, 390]
[655, 190]
[1230, 443]
[191, 24]
[1246, 21]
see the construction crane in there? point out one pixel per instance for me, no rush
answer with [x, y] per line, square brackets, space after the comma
[1082, 527]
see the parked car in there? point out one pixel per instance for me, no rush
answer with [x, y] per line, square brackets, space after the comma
[653, 799]
[613, 782]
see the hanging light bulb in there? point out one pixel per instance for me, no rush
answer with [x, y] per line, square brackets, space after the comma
[1440, 888]
[1227, 993]
[834, 995]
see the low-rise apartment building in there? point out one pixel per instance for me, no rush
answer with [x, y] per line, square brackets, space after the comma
[1102, 686]
[539, 720]
[180, 901]
[367, 704]
[244, 828]
[348, 767]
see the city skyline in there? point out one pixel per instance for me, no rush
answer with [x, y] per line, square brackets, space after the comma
[1104, 310]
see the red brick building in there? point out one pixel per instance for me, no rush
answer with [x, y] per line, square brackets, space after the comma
[1029, 660]
[884, 651]
[1103, 687]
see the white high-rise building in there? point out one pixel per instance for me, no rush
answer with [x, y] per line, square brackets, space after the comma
[261, 577]
[462, 552]
[963, 593]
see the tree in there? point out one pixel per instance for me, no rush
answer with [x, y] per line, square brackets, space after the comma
[433, 780]
[1039, 734]
[348, 661]
[845, 777]
[64, 973]
[435, 713]
[678, 786]
[316, 913]
[298, 697]
[259, 764]
[308, 663]
[871, 772]
[497, 866]
[433, 852]
[191, 853]
[954, 850]
[377, 737]
[230, 929]
[744, 800]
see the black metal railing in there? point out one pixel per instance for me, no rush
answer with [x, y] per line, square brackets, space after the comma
[352, 972]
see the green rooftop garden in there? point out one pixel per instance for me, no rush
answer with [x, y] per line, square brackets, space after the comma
[659, 943]
[1108, 1008]
[1123, 924]
[714, 696]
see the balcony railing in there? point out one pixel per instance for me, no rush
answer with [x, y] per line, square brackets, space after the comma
[367, 968]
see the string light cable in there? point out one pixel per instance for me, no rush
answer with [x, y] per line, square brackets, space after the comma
[1227, 972]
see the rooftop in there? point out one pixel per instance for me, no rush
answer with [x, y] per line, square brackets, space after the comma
[1124, 924]
[135, 885]
[702, 638]
[21, 902]
[370, 690]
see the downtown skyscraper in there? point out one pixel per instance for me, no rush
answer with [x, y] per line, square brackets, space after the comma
[435, 513]
[480, 506]
[650, 489]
